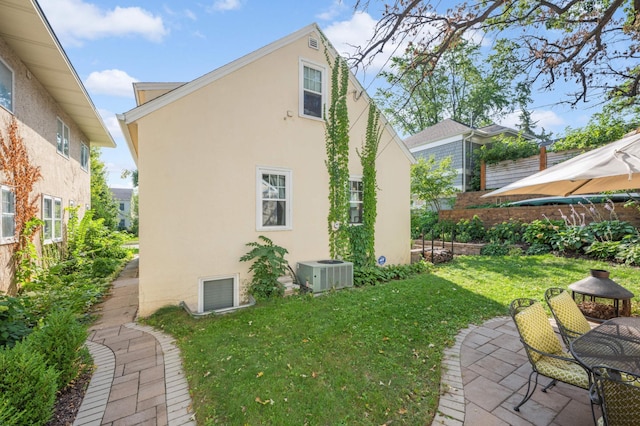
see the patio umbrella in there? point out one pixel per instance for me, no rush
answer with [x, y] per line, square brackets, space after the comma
[613, 167]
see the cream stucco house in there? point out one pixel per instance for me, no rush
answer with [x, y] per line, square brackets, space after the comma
[56, 119]
[239, 153]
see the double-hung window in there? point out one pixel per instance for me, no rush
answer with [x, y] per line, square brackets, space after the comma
[84, 156]
[62, 138]
[7, 215]
[6, 86]
[273, 199]
[355, 200]
[312, 90]
[52, 218]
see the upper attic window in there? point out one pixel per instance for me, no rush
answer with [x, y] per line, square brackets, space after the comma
[312, 90]
[6, 86]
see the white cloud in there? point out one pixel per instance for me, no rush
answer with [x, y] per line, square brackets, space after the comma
[110, 82]
[75, 21]
[336, 8]
[347, 36]
[224, 5]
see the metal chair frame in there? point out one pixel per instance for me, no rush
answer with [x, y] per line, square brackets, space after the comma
[612, 389]
[515, 307]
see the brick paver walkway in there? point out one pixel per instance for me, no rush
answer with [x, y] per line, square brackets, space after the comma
[138, 378]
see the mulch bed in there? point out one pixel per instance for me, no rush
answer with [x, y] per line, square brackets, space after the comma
[69, 400]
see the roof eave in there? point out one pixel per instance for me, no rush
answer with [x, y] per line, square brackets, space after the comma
[26, 30]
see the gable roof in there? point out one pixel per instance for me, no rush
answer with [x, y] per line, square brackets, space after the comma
[26, 30]
[122, 194]
[449, 128]
[441, 130]
[128, 119]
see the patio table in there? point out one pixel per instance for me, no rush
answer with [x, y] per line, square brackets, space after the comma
[614, 343]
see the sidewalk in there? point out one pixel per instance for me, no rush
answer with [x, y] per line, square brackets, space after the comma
[139, 378]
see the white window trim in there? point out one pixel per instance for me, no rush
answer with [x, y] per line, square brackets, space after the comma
[289, 199]
[355, 178]
[323, 70]
[64, 126]
[12, 239]
[13, 87]
[236, 290]
[84, 146]
[53, 219]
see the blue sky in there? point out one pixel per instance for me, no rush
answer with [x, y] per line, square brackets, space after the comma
[113, 43]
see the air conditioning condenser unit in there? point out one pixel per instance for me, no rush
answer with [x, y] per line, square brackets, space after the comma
[323, 275]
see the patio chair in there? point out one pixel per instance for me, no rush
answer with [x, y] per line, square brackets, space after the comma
[619, 394]
[570, 320]
[544, 349]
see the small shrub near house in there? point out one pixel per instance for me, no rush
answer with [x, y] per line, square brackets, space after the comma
[60, 340]
[41, 340]
[28, 384]
[268, 265]
[373, 275]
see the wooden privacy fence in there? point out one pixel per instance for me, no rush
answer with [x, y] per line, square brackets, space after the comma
[497, 175]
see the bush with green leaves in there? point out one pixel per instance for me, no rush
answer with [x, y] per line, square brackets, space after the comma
[611, 230]
[444, 229]
[495, 248]
[372, 275]
[629, 250]
[9, 415]
[16, 320]
[538, 248]
[61, 342]
[470, 230]
[423, 221]
[27, 384]
[542, 232]
[268, 265]
[510, 232]
[367, 275]
[603, 250]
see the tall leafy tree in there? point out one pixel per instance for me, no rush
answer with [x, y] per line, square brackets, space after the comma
[431, 181]
[604, 127]
[593, 43]
[102, 202]
[463, 86]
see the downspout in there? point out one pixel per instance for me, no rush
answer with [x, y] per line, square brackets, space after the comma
[464, 159]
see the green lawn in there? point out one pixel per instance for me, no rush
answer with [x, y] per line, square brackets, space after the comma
[365, 356]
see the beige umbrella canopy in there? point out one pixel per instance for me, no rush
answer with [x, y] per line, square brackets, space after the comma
[613, 167]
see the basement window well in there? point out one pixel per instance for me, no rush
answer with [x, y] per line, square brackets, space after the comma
[218, 293]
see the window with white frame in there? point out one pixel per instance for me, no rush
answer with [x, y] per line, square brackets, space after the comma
[62, 138]
[84, 156]
[312, 90]
[7, 215]
[273, 204]
[6, 86]
[52, 218]
[355, 200]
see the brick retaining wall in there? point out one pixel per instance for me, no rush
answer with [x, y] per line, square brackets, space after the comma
[528, 214]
